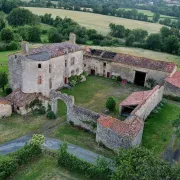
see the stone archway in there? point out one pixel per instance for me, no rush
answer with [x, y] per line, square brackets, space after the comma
[68, 100]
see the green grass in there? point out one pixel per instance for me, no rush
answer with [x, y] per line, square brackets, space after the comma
[158, 128]
[45, 168]
[144, 53]
[87, 140]
[16, 126]
[97, 21]
[93, 93]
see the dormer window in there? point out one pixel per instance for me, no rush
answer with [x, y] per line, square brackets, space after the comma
[39, 66]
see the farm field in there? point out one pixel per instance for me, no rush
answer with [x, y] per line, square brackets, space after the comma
[97, 21]
[45, 168]
[143, 53]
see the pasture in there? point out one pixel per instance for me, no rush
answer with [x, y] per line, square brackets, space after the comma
[97, 21]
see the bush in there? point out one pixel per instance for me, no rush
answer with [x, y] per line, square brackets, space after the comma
[71, 162]
[37, 140]
[51, 115]
[8, 91]
[12, 46]
[42, 110]
[110, 103]
[119, 78]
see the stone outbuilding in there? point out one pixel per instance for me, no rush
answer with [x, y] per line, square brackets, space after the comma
[5, 108]
[20, 101]
[114, 133]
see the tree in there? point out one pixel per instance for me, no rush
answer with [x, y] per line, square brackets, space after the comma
[2, 24]
[156, 17]
[154, 42]
[110, 103]
[7, 34]
[171, 44]
[130, 40]
[34, 34]
[117, 30]
[8, 5]
[139, 34]
[54, 36]
[140, 163]
[21, 17]
[165, 32]
[3, 80]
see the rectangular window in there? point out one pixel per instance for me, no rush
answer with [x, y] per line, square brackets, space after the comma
[50, 68]
[72, 72]
[39, 65]
[50, 83]
[72, 61]
[84, 65]
[65, 63]
[39, 80]
[104, 64]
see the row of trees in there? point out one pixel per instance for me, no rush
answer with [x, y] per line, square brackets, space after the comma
[168, 40]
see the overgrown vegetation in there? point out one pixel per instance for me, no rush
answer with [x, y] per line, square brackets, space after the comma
[110, 103]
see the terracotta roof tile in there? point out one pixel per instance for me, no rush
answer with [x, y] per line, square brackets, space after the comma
[4, 101]
[125, 128]
[174, 79]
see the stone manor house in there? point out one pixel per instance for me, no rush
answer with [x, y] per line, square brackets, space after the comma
[39, 72]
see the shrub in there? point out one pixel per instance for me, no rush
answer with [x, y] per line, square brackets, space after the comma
[110, 103]
[42, 110]
[8, 91]
[12, 46]
[51, 115]
[151, 82]
[37, 140]
[71, 162]
[119, 78]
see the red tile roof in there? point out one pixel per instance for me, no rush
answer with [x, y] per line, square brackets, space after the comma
[136, 61]
[135, 98]
[4, 101]
[145, 62]
[174, 79]
[125, 128]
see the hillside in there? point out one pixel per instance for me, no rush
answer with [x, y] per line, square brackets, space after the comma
[97, 21]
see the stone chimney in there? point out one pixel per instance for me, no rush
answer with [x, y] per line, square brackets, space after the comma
[72, 38]
[25, 47]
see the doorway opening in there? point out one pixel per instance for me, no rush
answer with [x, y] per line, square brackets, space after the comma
[62, 109]
[93, 72]
[65, 80]
[139, 78]
[108, 74]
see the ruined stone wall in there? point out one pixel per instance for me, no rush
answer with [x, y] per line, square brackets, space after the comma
[15, 70]
[111, 139]
[84, 118]
[171, 90]
[5, 110]
[145, 108]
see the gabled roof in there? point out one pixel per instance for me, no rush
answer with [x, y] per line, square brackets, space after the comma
[132, 60]
[174, 79]
[125, 128]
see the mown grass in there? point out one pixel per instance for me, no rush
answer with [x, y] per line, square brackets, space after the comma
[144, 53]
[93, 93]
[158, 128]
[45, 168]
[97, 21]
[76, 136]
[17, 126]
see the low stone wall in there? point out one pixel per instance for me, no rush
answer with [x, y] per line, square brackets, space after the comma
[84, 118]
[145, 108]
[170, 89]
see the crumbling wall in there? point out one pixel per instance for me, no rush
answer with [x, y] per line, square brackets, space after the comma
[145, 108]
[84, 118]
[5, 110]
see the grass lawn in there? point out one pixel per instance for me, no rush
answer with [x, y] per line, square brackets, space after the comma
[144, 53]
[93, 93]
[45, 168]
[16, 126]
[97, 21]
[158, 128]
[74, 135]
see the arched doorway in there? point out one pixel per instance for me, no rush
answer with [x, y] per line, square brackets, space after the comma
[61, 109]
